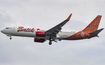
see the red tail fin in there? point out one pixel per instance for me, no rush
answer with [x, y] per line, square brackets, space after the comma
[93, 25]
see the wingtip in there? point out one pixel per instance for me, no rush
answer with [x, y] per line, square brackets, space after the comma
[102, 28]
[69, 17]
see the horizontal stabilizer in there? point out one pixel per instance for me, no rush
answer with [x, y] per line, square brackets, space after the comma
[96, 32]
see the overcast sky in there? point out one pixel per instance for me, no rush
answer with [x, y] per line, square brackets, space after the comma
[46, 14]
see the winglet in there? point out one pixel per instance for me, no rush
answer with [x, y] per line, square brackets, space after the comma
[69, 17]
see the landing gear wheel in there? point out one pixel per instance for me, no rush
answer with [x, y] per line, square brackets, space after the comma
[10, 38]
[50, 42]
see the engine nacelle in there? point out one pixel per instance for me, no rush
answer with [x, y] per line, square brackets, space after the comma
[40, 34]
[39, 40]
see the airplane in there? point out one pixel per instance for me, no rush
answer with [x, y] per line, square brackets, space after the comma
[56, 32]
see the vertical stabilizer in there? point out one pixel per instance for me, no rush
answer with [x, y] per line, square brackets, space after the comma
[93, 26]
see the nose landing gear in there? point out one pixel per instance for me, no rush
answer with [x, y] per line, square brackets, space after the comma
[10, 38]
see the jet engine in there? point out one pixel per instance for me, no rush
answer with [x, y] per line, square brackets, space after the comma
[39, 40]
[40, 34]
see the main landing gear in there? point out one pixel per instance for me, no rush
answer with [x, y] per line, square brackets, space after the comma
[50, 41]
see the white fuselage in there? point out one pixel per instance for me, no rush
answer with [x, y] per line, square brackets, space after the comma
[31, 32]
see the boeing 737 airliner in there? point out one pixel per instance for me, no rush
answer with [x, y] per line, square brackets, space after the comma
[56, 32]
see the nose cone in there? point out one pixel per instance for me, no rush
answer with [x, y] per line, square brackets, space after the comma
[2, 31]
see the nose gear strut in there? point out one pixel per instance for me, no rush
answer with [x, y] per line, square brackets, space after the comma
[10, 38]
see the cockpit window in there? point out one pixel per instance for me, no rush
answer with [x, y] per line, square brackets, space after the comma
[7, 28]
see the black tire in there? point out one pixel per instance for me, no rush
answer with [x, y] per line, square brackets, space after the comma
[50, 43]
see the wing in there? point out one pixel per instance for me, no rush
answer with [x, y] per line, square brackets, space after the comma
[53, 31]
